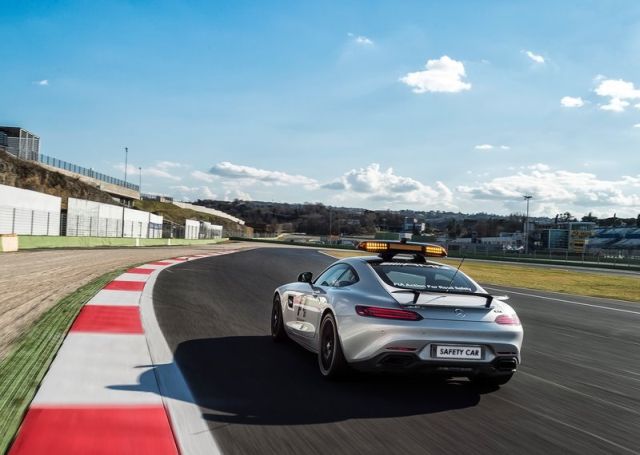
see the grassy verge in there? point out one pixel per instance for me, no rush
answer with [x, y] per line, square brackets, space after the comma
[591, 284]
[23, 369]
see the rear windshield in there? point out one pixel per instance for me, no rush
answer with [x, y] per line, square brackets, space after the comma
[424, 277]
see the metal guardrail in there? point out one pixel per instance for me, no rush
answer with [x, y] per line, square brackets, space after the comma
[60, 164]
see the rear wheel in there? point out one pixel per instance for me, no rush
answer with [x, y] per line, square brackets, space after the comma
[277, 324]
[330, 357]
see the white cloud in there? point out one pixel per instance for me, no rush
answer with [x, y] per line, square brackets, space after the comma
[194, 192]
[535, 57]
[505, 147]
[43, 82]
[483, 147]
[637, 125]
[363, 40]
[203, 176]
[377, 185]
[615, 105]
[618, 91]
[159, 170]
[255, 175]
[230, 195]
[562, 188]
[570, 101]
[168, 165]
[441, 75]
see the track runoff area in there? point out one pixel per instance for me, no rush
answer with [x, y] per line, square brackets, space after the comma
[176, 357]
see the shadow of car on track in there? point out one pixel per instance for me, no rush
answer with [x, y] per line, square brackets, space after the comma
[251, 380]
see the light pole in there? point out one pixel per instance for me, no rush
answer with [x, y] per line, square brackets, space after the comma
[329, 225]
[126, 160]
[140, 181]
[526, 226]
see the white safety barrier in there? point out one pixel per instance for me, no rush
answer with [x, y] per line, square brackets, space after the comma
[95, 219]
[27, 212]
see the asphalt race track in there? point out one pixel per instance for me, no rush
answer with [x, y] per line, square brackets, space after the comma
[578, 390]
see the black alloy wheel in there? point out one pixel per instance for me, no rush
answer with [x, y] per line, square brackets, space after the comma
[277, 324]
[330, 357]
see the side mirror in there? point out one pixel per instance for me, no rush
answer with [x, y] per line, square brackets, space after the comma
[305, 277]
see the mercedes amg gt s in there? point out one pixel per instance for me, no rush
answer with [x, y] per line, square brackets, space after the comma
[399, 311]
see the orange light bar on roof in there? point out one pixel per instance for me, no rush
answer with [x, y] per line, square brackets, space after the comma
[399, 248]
[373, 247]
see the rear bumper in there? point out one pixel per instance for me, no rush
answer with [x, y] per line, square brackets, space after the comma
[367, 340]
[411, 362]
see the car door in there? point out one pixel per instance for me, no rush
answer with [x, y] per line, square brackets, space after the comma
[328, 291]
[309, 307]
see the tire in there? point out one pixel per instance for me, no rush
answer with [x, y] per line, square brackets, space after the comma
[493, 380]
[277, 324]
[330, 356]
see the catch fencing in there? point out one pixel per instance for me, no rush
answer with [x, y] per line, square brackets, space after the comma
[612, 256]
[20, 221]
[94, 219]
[27, 212]
[61, 164]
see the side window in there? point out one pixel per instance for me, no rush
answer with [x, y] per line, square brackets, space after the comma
[331, 275]
[348, 278]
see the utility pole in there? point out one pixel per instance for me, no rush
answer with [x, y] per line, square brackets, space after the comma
[329, 225]
[126, 162]
[526, 225]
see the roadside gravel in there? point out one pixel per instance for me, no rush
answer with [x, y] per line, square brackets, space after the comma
[32, 281]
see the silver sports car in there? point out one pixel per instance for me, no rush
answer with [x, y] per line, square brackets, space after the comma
[399, 311]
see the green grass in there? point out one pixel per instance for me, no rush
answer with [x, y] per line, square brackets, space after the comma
[25, 366]
[587, 283]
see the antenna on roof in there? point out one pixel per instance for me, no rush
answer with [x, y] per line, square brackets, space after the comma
[456, 272]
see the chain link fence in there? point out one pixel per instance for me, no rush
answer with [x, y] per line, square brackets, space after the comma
[21, 221]
[613, 256]
[90, 226]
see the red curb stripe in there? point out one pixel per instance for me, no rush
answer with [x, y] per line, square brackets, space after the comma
[108, 319]
[96, 431]
[141, 271]
[160, 263]
[120, 285]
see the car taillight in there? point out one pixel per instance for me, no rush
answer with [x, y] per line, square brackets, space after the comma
[387, 313]
[507, 319]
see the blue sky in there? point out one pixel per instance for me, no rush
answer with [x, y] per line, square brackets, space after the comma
[423, 105]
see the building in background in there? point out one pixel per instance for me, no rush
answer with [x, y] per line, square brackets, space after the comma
[571, 236]
[21, 143]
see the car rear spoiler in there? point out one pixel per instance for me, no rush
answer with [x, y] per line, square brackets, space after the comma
[417, 293]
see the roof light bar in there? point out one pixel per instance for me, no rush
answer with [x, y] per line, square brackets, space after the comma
[424, 249]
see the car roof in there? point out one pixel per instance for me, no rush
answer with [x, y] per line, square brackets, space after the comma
[379, 260]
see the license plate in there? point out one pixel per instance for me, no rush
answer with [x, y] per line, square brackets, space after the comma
[459, 352]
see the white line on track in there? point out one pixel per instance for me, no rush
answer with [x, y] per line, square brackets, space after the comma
[564, 301]
[190, 430]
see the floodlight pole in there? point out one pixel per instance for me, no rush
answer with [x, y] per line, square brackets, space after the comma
[526, 226]
[126, 160]
[140, 181]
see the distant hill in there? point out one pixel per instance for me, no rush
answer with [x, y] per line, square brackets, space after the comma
[315, 219]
